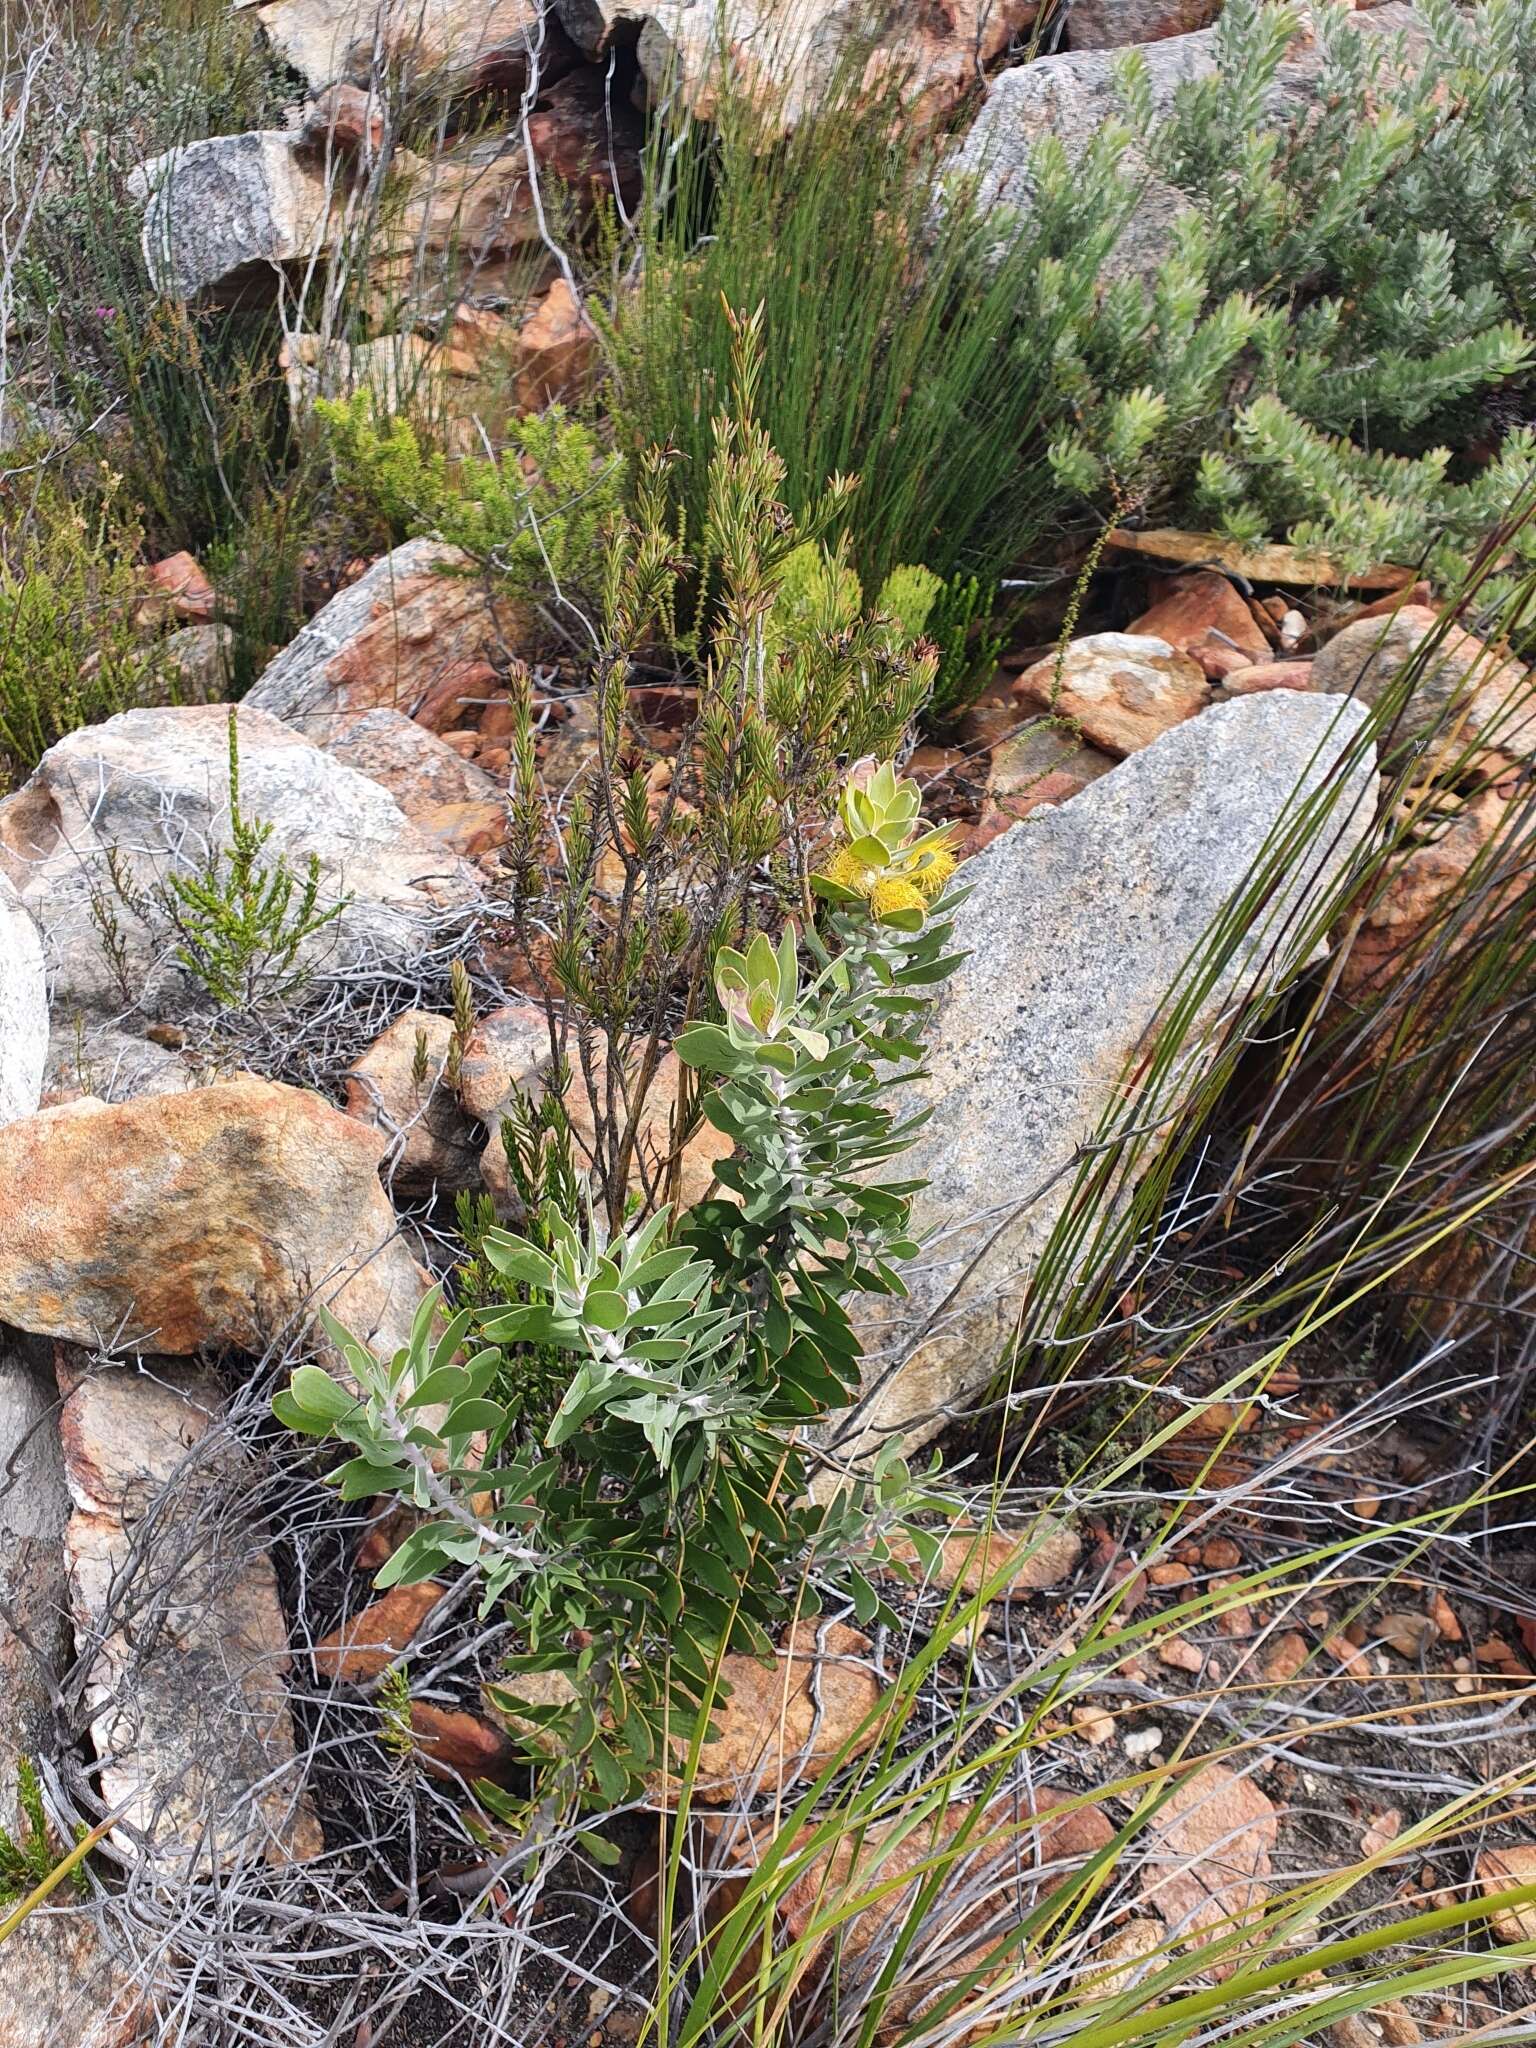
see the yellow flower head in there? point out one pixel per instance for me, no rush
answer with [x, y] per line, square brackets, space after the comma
[931, 873]
[891, 893]
[849, 873]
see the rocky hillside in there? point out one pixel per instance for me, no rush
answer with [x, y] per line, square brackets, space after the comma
[765, 1237]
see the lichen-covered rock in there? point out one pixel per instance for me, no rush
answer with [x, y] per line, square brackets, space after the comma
[1488, 698]
[217, 208]
[1078, 925]
[411, 635]
[784, 53]
[1121, 689]
[176, 1606]
[354, 40]
[114, 809]
[23, 1008]
[206, 1219]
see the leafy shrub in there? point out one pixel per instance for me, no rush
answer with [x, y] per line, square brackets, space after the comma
[71, 650]
[1334, 304]
[655, 1513]
[537, 513]
[1340, 305]
[671, 842]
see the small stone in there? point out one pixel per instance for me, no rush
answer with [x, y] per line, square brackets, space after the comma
[1094, 1725]
[1142, 1741]
[1348, 1655]
[1179, 1654]
[412, 635]
[783, 1722]
[1399, 2028]
[1501, 1870]
[1221, 1554]
[461, 1745]
[1350, 2032]
[180, 589]
[369, 1642]
[506, 1050]
[555, 346]
[1203, 615]
[1124, 690]
[1382, 1832]
[1444, 1617]
[1170, 1575]
[348, 118]
[1005, 1562]
[1408, 1633]
[1268, 675]
[1113, 1966]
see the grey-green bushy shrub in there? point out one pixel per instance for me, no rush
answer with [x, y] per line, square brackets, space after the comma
[1339, 300]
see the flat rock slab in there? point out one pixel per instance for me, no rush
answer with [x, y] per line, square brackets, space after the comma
[176, 1603]
[1079, 923]
[114, 809]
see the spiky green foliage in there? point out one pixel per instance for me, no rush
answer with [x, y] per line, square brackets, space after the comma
[664, 846]
[243, 921]
[71, 649]
[537, 513]
[1303, 359]
[654, 1512]
[27, 1857]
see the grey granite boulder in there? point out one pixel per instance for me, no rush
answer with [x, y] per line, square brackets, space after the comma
[217, 208]
[1079, 923]
[114, 808]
